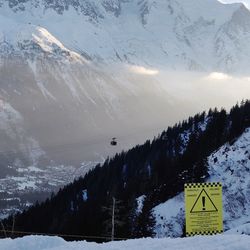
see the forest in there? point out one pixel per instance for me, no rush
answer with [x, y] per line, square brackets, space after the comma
[157, 169]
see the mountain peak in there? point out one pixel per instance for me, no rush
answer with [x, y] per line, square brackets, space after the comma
[31, 39]
[161, 34]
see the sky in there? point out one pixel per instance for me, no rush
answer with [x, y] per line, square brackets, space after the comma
[246, 2]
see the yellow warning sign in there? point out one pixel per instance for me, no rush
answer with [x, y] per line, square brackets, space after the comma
[203, 205]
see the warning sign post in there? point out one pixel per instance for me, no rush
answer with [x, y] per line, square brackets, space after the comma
[203, 205]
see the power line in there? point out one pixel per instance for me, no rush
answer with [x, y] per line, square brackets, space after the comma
[63, 235]
[87, 143]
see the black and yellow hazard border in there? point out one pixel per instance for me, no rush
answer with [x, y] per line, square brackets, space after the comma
[203, 218]
[202, 185]
[204, 233]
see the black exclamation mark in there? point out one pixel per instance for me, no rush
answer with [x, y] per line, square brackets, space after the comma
[203, 202]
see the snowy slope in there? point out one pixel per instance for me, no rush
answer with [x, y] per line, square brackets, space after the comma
[223, 242]
[242, 229]
[173, 34]
[229, 165]
[30, 41]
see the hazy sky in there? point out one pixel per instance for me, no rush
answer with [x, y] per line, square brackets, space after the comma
[246, 2]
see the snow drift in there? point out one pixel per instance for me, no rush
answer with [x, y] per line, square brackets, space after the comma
[222, 242]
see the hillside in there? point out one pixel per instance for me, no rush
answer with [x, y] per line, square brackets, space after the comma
[229, 165]
[157, 170]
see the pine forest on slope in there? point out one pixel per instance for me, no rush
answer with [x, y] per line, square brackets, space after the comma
[157, 170]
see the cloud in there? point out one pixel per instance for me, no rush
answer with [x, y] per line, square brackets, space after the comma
[218, 76]
[143, 71]
[246, 79]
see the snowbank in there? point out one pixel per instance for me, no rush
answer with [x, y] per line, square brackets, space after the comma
[242, 229]
[222, 242]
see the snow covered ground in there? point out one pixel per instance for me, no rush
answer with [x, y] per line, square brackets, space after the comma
[220, 242]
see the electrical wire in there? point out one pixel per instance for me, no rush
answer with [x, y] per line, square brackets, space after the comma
[63, 235]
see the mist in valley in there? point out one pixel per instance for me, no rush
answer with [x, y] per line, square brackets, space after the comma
[71, 113]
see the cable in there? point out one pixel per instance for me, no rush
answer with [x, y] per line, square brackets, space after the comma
[87, 143]
[64, 235]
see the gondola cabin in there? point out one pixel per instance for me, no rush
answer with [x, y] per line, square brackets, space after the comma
[113, 142]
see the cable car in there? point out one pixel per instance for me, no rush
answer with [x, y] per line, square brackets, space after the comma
[113, 142]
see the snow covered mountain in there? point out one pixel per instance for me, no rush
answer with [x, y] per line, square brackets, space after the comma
[173, 34]
[229, 165]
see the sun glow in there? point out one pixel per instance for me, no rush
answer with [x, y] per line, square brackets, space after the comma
[218, 76]
[143, 71]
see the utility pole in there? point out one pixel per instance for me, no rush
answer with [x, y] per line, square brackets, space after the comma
[5, 235]
[113, 220]
[13, 226]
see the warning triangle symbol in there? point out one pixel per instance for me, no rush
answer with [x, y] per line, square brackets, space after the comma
[203, 203]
